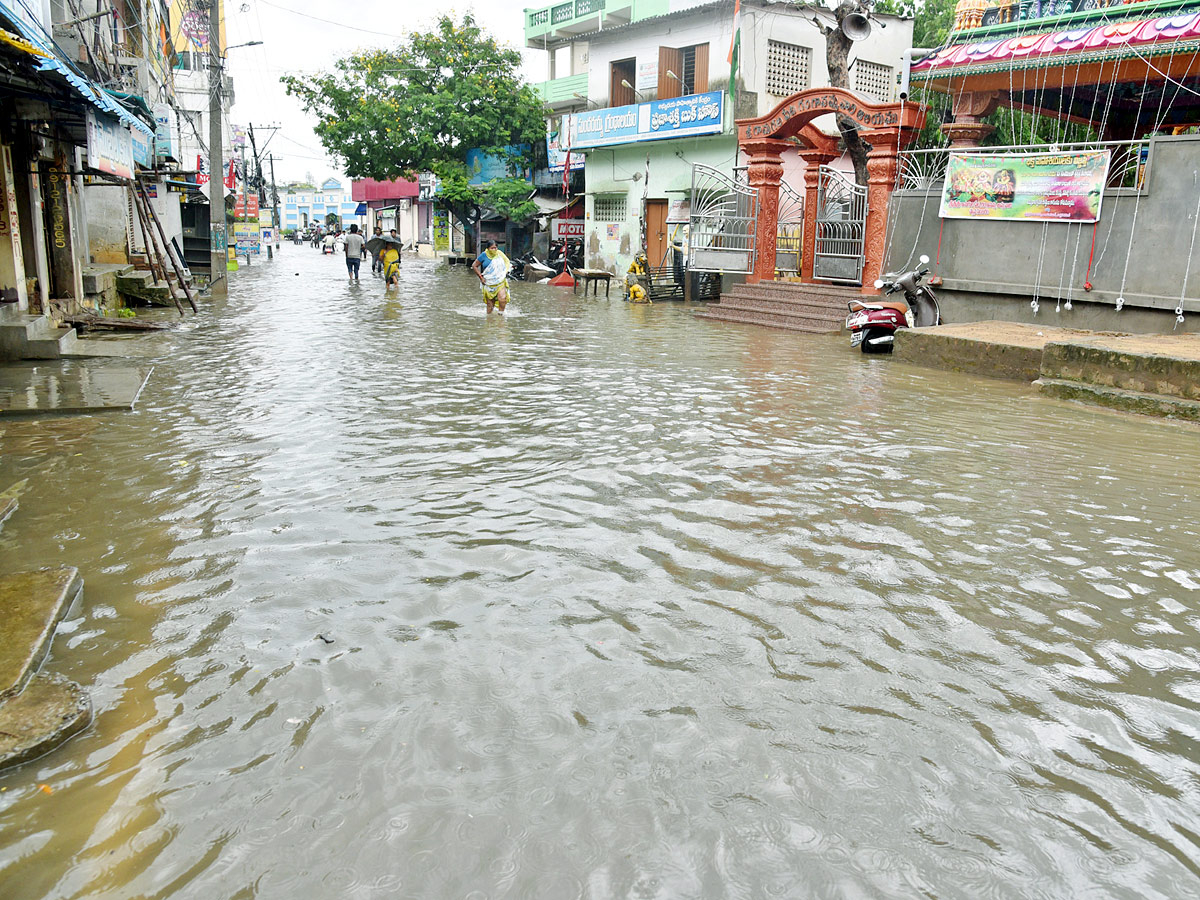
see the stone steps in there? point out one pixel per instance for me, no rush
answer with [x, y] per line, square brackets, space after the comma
[771, 320]
[141, 286]
[37, 711]
[1141, 402]
[812, 308]
[25, 336]
[1145, 383]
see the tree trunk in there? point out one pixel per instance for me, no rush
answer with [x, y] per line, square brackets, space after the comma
[837, 59]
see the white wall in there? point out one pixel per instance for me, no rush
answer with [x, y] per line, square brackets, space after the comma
[763, 24]
[760, 22]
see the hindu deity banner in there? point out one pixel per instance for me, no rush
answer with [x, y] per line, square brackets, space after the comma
[1037, 187]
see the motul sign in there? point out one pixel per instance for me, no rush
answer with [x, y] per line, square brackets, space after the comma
[566, 228]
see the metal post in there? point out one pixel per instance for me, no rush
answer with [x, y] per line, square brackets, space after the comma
[276, 218]
[245, 198]
[218, 281]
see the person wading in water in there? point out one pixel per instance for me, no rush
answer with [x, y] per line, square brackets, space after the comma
[492, 267]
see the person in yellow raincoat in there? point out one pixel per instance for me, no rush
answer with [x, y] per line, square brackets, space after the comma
[492, 267]
[391, 264]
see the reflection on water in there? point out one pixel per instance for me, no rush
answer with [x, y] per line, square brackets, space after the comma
[614, 603]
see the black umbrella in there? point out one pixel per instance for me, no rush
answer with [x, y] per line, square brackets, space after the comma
[377, 243]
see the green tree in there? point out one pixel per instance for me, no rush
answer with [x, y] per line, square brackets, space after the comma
[421, 106]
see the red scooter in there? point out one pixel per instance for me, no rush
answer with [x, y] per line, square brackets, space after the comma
[873, 324]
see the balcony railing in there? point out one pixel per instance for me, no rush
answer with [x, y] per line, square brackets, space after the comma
[562, 13]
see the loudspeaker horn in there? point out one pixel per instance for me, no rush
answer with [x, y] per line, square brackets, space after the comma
[856, 26]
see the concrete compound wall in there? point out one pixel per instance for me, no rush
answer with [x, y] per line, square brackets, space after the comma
[992, 269]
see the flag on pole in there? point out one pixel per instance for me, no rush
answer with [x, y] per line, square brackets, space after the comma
[229, 178]
[735, 46]
[565, 138]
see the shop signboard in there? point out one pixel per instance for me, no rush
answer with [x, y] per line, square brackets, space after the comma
[246, 205]
[647, 75]
[1033, 187]
[695, 114]
[164, 131]
[441, 230]
[109, 145]
[556, 155]
[561, 229]
[486, 167]
[247, 238]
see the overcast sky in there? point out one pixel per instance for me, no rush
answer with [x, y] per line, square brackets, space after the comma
[300, 35]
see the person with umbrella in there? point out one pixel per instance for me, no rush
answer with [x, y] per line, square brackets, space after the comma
[386, 247]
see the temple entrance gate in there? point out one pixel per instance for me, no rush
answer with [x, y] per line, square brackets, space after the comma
[887, 127]
[841, 227]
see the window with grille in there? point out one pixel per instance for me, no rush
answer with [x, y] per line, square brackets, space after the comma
[789, 68]
[874, 80]
[609, 209]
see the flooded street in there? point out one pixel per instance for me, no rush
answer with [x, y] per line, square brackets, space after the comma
[384, 598]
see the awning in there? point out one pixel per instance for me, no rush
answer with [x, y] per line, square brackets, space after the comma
[7, 37]
[549, 206]
[49, 62]
[361, 209]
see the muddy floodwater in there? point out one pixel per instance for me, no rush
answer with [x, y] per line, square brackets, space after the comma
[384, 598]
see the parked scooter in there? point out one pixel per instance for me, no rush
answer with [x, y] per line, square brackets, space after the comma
[873, 324]
[530, 268]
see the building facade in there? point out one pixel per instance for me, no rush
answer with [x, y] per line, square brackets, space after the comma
[644, 99]
[302, 205]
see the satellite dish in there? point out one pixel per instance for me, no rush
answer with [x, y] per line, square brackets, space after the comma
[856, 26]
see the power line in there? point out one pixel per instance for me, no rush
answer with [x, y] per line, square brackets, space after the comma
[293, 12]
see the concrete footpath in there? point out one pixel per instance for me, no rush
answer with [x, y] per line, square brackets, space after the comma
[38, 711]
[1151, 374]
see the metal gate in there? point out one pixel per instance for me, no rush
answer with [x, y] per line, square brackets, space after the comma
[789, 230]
[721, 232]
[841, 227]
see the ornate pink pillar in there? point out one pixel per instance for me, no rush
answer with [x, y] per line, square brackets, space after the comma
[813, 160]
[765, 172]
[882, 167]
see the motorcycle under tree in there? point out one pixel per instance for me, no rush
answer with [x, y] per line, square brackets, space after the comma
[873, 323]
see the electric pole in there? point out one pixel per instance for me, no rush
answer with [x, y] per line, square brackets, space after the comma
[218, 238]
[275, 202]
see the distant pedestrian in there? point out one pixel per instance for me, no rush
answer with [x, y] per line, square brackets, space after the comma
[354, 250]
[492, 267]
[377, 262]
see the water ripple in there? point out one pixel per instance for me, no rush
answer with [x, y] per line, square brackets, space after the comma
[615, 602]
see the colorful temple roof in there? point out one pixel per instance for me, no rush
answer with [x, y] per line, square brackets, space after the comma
[1095, 43]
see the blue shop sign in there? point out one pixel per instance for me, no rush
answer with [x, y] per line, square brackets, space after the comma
[484, 168]
[695, 114]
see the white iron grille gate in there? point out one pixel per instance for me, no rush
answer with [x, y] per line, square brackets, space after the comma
[841, 227]
[789, 230]
[721, 234]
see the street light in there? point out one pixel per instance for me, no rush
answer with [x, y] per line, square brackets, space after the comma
[682, 86]
[586, 101]
[625, 83]
[236, 46]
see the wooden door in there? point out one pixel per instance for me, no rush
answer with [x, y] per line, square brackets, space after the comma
[669, 60]
[656, 232]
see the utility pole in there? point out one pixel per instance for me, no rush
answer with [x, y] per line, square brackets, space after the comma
[259, 183]
[245, 204]
[218, 238]
[275, 217]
